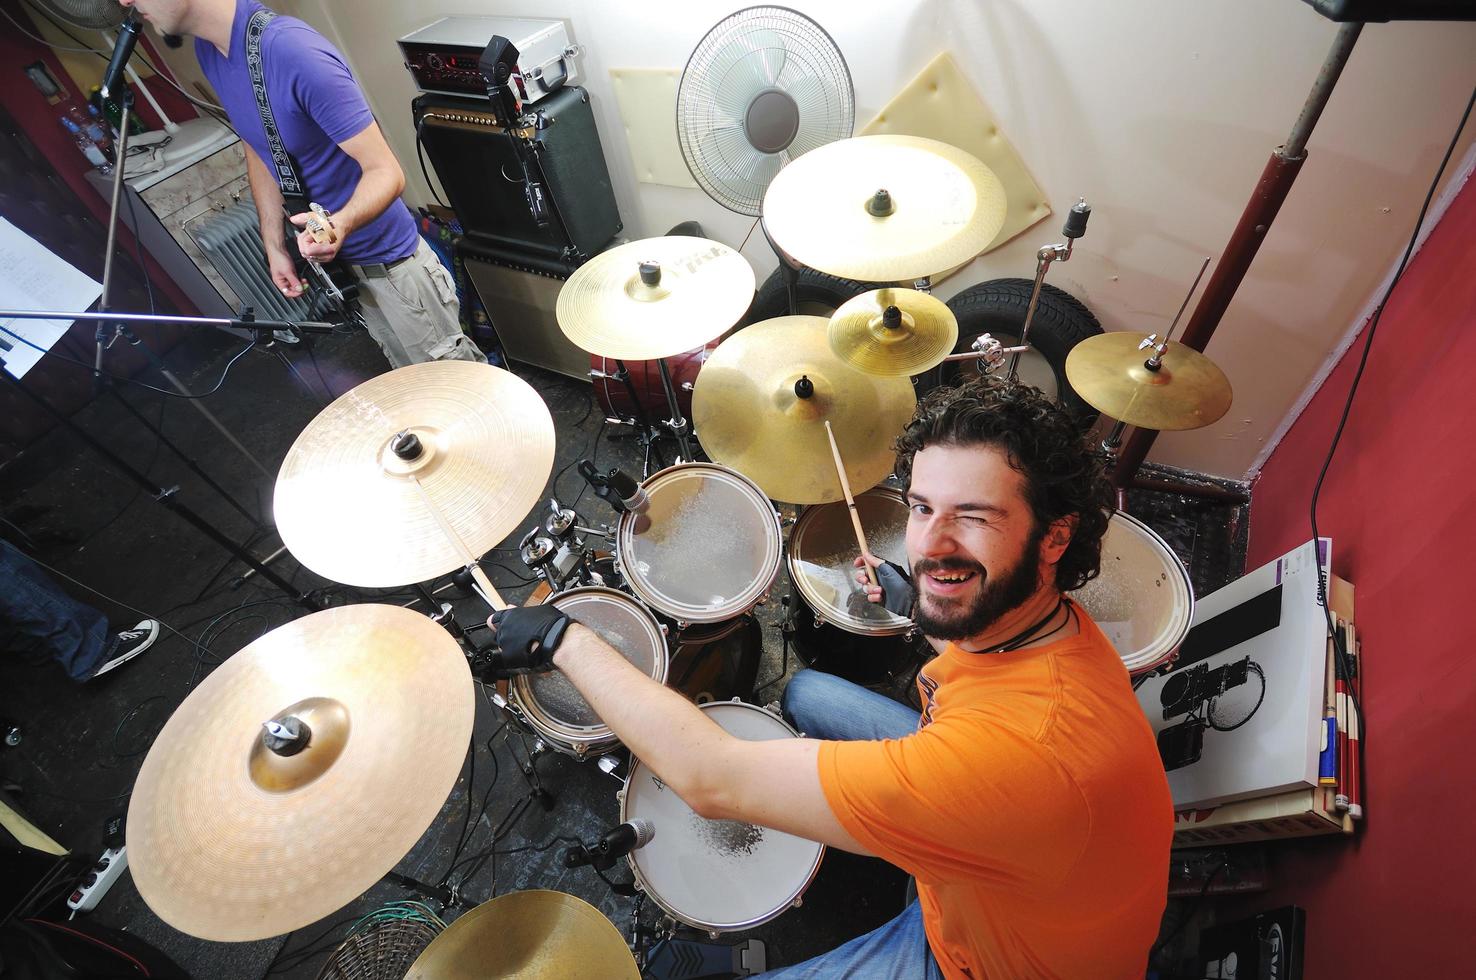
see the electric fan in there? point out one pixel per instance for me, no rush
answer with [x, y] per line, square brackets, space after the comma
[764, 86]
[93, 15]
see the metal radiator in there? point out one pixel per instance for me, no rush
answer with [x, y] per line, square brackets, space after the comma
[231, 240]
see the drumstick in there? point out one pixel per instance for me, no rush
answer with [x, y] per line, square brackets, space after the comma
[478, 576]
[840, 470]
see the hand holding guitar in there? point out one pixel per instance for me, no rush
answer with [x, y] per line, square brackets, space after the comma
[319, 239]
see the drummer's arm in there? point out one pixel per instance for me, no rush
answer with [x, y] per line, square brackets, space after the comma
[774, 783]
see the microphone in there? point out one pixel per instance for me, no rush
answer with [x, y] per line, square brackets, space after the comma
[630, 836]
[633, 496]
[122, 51]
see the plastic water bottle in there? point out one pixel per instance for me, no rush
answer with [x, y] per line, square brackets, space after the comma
[87, 146]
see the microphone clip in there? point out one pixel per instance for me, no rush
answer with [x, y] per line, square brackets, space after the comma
[602, 484]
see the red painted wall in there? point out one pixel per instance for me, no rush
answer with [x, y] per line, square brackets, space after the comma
[1400, 505]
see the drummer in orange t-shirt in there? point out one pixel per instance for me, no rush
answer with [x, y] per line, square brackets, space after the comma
[1028, 800]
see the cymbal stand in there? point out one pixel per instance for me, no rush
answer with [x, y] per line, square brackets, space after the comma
[1075, 227]
[677, 423]
[646, 432]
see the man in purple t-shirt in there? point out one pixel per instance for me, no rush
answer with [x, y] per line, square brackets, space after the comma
[407, 296]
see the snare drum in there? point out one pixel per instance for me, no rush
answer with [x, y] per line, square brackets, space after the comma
[1142, 599]
[822, 553]
[551, 705]
[718, 875]
[708, 547]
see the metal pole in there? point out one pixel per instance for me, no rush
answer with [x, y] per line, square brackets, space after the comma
[1255, 221]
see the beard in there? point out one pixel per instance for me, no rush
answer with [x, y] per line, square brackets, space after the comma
[961, 618]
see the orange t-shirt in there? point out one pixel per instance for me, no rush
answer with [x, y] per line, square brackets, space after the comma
[1031, 806]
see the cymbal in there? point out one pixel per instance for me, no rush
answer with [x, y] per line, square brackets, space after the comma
[353, 511]
[655, 298]
[867, 336]
[749, 415]
[946, 208]
[529, 935]
[1109, 372]
[230, 841]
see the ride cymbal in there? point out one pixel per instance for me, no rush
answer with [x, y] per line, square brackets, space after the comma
[1111, 373]
[893, 333]
[655, 298]
[231, 840]
[884, 208]
[528, 935]
[350, 508]
[762, 400]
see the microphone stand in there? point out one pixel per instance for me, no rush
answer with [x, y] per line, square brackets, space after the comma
[101, 338]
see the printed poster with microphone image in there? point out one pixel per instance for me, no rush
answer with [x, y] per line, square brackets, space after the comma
[1240, 713]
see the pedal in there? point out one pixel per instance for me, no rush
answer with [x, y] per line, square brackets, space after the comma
[99, 878]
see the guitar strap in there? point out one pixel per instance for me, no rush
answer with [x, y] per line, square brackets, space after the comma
[293, 191]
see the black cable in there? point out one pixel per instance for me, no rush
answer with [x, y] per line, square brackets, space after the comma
[1190, 913]
[1342, 660]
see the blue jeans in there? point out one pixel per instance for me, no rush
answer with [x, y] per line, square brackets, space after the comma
[826, 707]
[38, 617]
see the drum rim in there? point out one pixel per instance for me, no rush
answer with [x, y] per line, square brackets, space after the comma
[582, 739]
[750, 596]
[1144, 660]
[644, 884]
[802, 584]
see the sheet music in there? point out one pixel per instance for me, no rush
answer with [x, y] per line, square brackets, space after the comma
[32, 277]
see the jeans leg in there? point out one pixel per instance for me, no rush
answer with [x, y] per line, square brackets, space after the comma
[41, 617]
[827, 707]
[896, 951]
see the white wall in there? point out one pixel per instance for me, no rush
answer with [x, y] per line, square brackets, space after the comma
[1161, 112]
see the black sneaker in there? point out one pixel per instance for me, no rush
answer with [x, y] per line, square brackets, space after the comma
[130, 644]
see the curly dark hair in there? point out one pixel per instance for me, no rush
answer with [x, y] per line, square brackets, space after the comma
[1064, 473]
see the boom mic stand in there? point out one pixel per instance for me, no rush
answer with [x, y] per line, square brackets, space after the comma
[261, 331]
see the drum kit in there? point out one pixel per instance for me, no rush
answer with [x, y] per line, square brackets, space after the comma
[359, 716]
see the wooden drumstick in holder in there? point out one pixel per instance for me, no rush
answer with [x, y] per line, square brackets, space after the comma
[840, 470]
[484, 584]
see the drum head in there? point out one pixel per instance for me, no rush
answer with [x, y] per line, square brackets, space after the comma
[552, 704]
[720, 875]
[707, 548]
[822, 549]
[1142, 599]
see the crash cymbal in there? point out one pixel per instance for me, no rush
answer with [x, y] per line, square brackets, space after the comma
[893, 333]
[349, 508]
[827, 211]
[655, 298]
[229, 840]
[1109, 371]
[749, 414]
[529, 935]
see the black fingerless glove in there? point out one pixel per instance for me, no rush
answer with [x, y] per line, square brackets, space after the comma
[898, 594]
[525, 639]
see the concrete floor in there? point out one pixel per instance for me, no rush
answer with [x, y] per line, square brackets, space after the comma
[82, 746]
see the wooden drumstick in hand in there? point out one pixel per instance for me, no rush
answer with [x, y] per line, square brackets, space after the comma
[840, 470]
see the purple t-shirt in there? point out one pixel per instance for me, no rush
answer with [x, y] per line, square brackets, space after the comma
[317, 105]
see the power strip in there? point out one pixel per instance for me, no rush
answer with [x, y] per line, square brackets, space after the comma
[99, 878]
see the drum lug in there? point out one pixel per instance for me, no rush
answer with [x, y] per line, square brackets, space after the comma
[682, 625]
[798, 902]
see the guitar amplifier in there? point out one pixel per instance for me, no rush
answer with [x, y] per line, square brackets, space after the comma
[481, 166]
[520, 292]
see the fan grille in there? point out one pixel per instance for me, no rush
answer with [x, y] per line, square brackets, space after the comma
[95, 15]
[383, 951]
[757, 76]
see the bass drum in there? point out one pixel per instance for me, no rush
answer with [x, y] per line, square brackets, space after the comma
[614, 396]
[717, 661]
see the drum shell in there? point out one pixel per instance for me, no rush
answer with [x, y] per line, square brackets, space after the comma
[717, 661]
[645, 376]
[871, 661]
[718, 711]
[568, 736]
[671, 494]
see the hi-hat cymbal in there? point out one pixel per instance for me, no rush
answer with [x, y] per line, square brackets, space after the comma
[1110, 372]
[655, 298]
[351, 509]
[893, 333]
[529, 935]
[826, 209]
[229, 840]
[762, 400]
